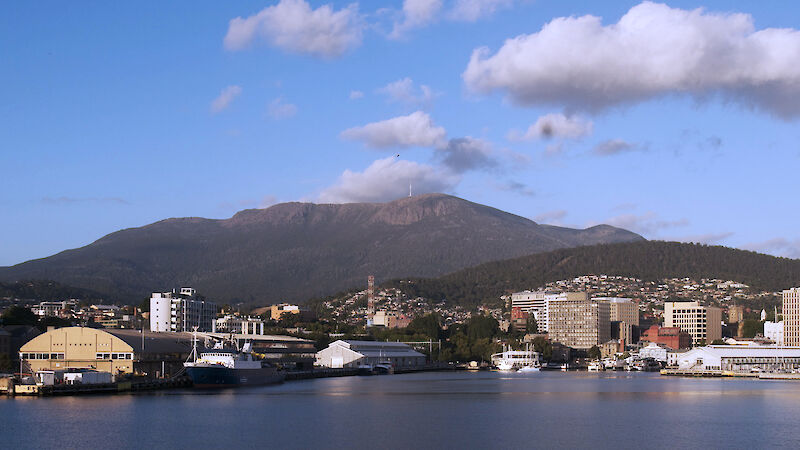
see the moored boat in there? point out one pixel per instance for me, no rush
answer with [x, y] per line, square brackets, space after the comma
[220, 367]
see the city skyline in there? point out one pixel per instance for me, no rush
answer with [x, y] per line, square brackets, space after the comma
[677, 121]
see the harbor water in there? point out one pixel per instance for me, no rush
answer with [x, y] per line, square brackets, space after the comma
[424, 410]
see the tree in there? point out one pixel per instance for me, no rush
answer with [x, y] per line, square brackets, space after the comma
[752, 327]
[479, 327]
[531, 326]
[18, 315]
[594, 352]
[427, 325]
[718, 342]
[543, 347]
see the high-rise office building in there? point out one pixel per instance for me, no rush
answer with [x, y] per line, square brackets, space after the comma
[577, 321]
[791, 317]
[703, 323]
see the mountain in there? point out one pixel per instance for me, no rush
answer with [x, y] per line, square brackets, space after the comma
[647, 260]
[293, 251]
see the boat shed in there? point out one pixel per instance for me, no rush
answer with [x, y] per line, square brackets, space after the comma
[740, 358]
[346, 353]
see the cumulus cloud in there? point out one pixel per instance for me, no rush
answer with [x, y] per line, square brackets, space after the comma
[551, 217]
[472, 10]
[648, 223]
[225, 98]
[555, 126]
[416, 13]
[388, 179]
[789, 248]
[404, 91]
[278, 109]
[653, 50]
[614, 146]
[292, 25]
[355, 95]
[414, 130]
[465, 154]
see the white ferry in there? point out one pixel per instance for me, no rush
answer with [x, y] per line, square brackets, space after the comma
[510, 360]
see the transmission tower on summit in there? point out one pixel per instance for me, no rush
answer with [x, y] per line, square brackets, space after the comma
[370, 296]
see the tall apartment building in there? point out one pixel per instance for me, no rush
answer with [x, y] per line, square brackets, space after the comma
[703, 323]
[181, 311]
[791, 317]
[622, 310]
[577, 321]
[533, 302]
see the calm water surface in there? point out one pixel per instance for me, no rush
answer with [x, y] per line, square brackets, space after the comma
[426, 410]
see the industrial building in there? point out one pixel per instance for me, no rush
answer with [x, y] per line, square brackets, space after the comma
[739, 358]
[703, 323]
[341, 354]
[114, 351]
[182, 310]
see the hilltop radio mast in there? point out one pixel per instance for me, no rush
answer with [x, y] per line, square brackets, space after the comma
[370, 296]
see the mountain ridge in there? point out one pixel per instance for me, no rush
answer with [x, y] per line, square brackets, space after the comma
[294, 251]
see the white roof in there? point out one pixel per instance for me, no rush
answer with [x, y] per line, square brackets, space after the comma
[745, 351]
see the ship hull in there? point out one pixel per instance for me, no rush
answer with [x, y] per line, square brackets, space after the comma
[217, 377]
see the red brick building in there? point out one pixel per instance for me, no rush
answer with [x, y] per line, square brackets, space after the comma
[672, 337]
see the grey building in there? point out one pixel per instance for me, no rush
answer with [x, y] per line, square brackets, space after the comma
[341, 354]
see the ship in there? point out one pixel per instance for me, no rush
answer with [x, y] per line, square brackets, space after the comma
[220, 367]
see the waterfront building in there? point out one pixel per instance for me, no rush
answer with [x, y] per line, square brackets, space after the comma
[791, 316]
[611, 348]
[703, 323]
[774, 331]
[303, 315]
[577, 321]
[740, 358]
[287, 352]
[236, 324]
[532, 302]
[656, 351]
[359, 353]
[181, 311]
[113, 351]
[390, 319]
[672, 337]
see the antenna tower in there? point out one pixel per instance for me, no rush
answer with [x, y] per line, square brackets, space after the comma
[371, 295]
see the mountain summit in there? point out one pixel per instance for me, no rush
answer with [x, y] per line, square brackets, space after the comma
[292, 251]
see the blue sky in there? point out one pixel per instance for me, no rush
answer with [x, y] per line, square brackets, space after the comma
[678, 121]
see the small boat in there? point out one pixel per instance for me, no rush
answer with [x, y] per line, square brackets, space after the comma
[364, 369]
[505, 365]
[383, 368]
[596, 366]
[529, 369]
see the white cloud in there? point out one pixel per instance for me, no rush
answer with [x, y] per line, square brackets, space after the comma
[464, 154]
[225, 98]
[414, 130]
[653, 50]
[648, 223]
[416, 13]
[555, 126]
[355, 95]
[294, 26]
[551, 217]
[278, 109]
[614, 146]
[388, 179]
[777, 246]
[404, 91]
[472, 10]
[705, 238]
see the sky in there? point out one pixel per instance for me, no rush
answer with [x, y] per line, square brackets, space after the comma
[678, 121]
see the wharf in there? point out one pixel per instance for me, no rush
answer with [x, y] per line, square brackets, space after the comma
[707, 373]
[102, 388]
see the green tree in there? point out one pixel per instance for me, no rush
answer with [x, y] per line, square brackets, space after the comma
[718, 342]
[480, 327]
[427, 325]
[752, 327]
[531, 326]
[544, 347]
[18, 315]
[594, 352]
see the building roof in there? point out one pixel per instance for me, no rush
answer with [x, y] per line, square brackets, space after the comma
[154, 342]
[745, 351]
[252, 337]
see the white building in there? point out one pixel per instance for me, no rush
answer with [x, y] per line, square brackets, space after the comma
[181, 311]
[656, 351]
[703, 323]
[533, 302]
[774, 331]
[239, 325]
[46, 309]
[740, 358]
[341, 354]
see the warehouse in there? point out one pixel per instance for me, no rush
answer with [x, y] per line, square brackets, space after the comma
[359, 353]
[114, 351]
[740, 358]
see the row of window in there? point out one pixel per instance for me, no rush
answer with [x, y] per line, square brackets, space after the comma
[114, 356]
[41, 356]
